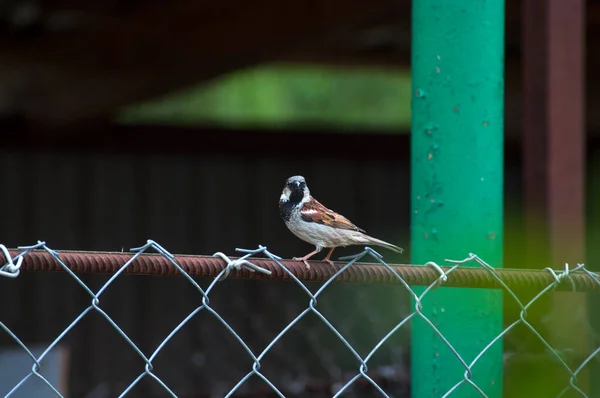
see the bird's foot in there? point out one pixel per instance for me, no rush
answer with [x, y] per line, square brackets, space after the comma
[303, 260]
[328, 261]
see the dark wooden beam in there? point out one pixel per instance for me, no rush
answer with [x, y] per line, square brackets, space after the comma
[108, 60]
[113, 138]
[106, 55]
[554, 122]
[554, 154]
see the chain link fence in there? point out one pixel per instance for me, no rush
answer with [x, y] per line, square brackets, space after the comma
[362, 373]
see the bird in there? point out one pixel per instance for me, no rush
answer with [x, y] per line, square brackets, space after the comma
[314, 223]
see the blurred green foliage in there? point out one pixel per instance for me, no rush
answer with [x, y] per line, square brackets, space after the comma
[278, 96]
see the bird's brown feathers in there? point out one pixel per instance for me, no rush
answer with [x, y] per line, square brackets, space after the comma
[313, 211]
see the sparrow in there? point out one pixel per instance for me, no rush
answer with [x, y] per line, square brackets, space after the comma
[314, 223]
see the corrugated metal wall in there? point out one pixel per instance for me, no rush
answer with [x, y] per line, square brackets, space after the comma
[195, 204]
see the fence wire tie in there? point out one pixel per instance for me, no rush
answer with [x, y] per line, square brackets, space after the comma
[566, 274]
[261, 249]
[443, 277]
[240, 263]
[592, 275]
[10, 269]
[472, 256]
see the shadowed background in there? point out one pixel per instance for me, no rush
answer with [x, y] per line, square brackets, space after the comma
[180, 122]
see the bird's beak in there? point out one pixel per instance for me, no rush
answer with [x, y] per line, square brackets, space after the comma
[297, 184]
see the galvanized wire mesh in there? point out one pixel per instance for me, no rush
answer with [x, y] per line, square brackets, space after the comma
[220, 267]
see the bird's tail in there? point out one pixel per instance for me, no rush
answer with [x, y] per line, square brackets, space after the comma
[379, 242]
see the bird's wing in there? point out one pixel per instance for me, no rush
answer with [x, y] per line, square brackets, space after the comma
[313, 211]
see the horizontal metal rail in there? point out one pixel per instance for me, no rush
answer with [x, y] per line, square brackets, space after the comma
[208, 266]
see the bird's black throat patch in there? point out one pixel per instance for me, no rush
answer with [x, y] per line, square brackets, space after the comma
[296, 196]
[286, 207]
[285, 210]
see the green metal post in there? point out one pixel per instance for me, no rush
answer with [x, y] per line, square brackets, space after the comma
[457, 186]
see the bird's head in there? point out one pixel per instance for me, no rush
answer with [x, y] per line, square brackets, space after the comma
[295, 191]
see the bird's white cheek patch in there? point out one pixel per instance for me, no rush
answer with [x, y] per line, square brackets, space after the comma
[306, 197]
[285, 196]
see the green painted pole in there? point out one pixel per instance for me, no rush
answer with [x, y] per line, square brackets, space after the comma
[457, 186]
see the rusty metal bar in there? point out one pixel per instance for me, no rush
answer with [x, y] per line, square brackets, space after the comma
[207, 266]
